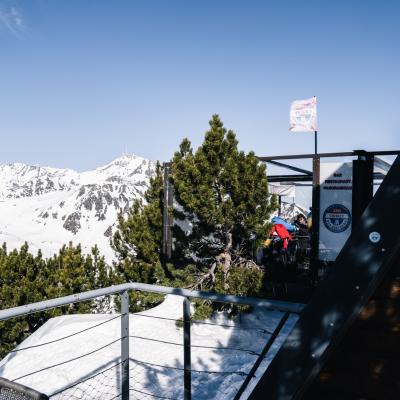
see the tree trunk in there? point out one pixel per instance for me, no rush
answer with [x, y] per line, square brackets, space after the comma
[225, 259]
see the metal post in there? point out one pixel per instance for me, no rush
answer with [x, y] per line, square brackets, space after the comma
[315, 219]
[125, 345]
[280, 204]
[187, 379]
[315, 142]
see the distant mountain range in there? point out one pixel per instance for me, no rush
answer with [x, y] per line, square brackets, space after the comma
[48, 207]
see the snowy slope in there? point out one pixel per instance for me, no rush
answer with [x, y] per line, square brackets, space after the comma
[289, 211]
[148, 377]
[48, 207]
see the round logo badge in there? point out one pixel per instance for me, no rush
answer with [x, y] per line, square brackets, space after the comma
[375, 237]
[337, 218]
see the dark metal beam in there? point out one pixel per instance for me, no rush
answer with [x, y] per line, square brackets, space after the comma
[291, 167]
[378, 175]
[303, 156]
[323, 155]
[299, 184]
[289, 178]
[385, 153]
[369, 254]
[305, 178]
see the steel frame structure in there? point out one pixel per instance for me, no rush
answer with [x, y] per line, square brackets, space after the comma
[363, 181]
[372, 249]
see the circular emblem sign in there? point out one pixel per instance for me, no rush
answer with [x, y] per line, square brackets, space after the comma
[337, 218]
[374, 237]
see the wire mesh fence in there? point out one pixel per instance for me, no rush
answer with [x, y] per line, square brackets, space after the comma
[102, 385]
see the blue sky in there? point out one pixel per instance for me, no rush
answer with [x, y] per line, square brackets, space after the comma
[84, 81]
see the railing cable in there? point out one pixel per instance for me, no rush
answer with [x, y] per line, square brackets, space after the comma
[194, 321]
[192, 370]
[65, 362]
[252, 352]
[64, 337]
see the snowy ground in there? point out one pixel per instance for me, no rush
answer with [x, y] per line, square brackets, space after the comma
[158, 372]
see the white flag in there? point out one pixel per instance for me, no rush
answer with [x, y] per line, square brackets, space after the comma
[303, 115]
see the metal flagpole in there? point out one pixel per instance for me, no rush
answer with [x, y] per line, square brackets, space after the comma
[315, 132]
[315, 142]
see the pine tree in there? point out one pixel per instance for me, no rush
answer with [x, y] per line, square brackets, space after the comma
[137, 244]
[75, 272]
[223, 194]
[25, 278]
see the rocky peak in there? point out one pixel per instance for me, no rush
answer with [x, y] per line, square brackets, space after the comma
[63, 204]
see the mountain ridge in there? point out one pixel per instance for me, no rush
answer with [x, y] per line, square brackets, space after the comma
[48, 207]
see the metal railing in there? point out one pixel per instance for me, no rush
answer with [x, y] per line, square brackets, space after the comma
[123, 366]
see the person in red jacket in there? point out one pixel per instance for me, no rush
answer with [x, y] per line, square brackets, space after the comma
[282, 232]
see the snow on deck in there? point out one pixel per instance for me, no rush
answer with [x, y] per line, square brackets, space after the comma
[149, 359]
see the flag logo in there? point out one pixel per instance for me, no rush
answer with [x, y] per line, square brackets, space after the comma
[303, 115]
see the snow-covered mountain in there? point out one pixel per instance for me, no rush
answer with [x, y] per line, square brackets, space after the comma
[289, 211]
[48, 207]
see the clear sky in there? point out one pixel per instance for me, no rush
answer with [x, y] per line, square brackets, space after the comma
[82, 82]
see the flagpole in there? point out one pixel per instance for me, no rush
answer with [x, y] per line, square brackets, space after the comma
[315, 142]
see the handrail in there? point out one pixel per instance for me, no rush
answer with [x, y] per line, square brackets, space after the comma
[144, 287]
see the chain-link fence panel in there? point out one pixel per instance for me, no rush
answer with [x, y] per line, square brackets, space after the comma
[104, 385]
